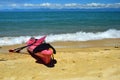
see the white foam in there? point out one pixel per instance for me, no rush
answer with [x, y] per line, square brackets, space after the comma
[78, 36]
[84, 36]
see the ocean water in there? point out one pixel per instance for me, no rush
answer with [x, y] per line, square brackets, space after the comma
[18, 27]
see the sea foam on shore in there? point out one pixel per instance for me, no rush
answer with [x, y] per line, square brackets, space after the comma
[78, 36]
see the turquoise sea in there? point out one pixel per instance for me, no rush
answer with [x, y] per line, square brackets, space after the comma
[18, 27]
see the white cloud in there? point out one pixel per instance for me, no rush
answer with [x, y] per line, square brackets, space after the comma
[43, 5]
[46, 4]
[93, 5]
[59, 6]
[71, 5]
[14, 5]
[28, 5]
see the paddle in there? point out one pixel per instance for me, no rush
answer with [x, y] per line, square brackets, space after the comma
[29, 44]
[18, 49]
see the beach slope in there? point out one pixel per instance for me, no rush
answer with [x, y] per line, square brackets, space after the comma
[89, 63]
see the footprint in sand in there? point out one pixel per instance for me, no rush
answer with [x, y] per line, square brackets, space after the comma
[2, 59]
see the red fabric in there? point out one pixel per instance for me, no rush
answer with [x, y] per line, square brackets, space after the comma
[38, 42]
[45, 55]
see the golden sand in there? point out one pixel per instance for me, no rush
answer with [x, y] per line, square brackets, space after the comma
[89, 60]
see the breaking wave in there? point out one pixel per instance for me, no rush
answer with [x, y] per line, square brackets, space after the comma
[78, 36]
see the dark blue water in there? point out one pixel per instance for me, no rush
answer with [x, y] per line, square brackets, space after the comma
[56, 22]
[18, 27]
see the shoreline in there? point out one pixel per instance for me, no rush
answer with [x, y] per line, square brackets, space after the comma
[96, 62]
[90, 43]
[72, 45]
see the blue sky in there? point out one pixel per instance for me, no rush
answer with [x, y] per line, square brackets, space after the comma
[58, 4]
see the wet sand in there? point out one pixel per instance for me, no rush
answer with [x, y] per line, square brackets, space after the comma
[88, 60]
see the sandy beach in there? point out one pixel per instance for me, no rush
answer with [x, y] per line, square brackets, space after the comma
[87, 60]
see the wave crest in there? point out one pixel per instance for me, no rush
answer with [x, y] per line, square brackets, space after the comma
[78, 36]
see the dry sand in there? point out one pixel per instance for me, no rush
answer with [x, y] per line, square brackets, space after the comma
[89, 60]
